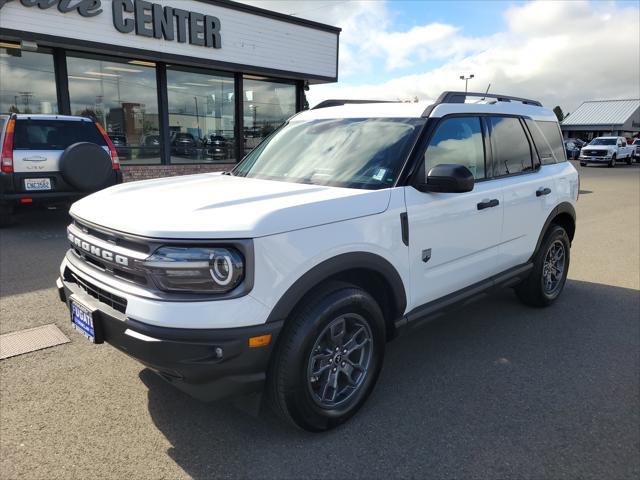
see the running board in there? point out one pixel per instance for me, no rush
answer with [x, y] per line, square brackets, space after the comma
[432, 310]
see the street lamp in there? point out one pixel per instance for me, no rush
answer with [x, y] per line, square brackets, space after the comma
[466, 81]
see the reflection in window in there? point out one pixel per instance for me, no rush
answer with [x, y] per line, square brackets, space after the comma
[510, 146]
[457, 141]
[548, 141]
[27, 81]
[201, 116]
[267, 105]
[121, 95]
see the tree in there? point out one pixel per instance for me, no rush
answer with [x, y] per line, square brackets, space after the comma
[558, 111]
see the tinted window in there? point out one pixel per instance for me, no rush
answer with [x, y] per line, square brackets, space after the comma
[547, 137]
[457, 140]
[510, 146]
[54, 134]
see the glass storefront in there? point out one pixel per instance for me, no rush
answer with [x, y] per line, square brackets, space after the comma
[267, 105]
[27, 81]
[201, 116]
[122, 96]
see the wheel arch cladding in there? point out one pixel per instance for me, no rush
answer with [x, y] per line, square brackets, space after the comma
[368, 271]
[565, 216]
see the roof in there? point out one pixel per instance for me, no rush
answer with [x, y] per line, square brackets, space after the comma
[603, 112]
[419, 109]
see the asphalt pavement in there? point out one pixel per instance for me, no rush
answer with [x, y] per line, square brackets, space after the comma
[494, 390]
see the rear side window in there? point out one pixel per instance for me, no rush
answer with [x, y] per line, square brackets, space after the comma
[510, 146]
[548, 140]
[54, 134]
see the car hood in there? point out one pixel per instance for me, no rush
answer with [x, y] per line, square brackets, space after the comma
[213, 206]
[605, 148]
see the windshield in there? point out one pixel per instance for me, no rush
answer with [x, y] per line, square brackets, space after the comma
[603, 141]
[346, 152]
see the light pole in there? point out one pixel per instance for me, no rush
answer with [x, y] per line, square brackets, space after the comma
[466, 81]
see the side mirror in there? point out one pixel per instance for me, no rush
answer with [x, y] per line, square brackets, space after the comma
[448, 178]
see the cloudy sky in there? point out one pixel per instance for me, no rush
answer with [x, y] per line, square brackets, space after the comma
[559, 52]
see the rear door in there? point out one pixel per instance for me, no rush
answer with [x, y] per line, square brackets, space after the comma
[529, 189]
[453, 239]
[39, 143]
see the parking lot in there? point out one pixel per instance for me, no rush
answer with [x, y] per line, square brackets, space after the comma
[494, 390]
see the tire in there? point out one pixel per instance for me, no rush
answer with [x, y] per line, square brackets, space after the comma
[629, 160]
[534, 290]
[7, 217]
[612, 163]
[583, 164]
[311, 341]
[86, 166]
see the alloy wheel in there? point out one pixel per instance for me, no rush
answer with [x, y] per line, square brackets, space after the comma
[339, 361]
[553, 268]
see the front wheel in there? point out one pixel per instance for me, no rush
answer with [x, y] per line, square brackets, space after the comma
[612, 163]
[328, 358]
[583, 164]
[550, 267]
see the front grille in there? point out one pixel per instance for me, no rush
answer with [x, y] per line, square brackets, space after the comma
[596, 153]
[112, 238]
[114, 301]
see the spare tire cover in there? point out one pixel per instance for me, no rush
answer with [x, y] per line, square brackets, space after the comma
[86, 166]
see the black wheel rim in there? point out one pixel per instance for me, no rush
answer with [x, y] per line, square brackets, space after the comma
[339, 361]
[553, 268]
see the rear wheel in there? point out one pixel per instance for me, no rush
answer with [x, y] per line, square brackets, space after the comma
[629, 159]
[550, 267]
[328, 358]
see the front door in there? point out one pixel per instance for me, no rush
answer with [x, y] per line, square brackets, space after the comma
[454, 237]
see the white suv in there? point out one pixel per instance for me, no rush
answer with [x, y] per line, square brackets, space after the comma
[346, 226]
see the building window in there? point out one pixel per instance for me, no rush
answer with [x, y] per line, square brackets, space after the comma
[267, 105]
[122, 96]
[27, 81]
[201, 116]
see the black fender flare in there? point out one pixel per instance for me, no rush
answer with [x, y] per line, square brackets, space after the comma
[334, 266]
[564, 207]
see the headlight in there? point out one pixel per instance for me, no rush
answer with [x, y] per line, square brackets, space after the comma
[194, 269]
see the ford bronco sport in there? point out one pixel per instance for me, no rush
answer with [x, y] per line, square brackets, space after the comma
[349, 224]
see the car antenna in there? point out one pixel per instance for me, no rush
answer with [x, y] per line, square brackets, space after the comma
[485, 93]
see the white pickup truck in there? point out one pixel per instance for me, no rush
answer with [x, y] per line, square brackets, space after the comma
[606, 150]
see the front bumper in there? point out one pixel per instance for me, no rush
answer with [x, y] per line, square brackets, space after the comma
[594, 159]
[207, 364]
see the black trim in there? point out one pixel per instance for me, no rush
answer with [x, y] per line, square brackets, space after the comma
[564, 207]
[434, 309]
[261, 12]
[62, 81]
[205, 363]
[156, 56]
[163, 113]
[334, 266]
[335, 102]
[404, 225]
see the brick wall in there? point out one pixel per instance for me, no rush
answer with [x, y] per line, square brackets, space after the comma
[131, 173]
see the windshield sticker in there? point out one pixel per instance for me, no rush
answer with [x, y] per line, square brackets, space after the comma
[380, 174]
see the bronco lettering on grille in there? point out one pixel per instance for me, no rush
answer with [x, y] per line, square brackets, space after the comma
[97, 251]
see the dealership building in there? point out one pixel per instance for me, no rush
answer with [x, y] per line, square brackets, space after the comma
[598, 118]
[181, 86]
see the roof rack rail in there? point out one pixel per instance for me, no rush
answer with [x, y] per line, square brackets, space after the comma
[460, 97]
[338, 103]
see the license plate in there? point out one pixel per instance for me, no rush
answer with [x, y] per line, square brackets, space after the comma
[82, 320]
[35, 184]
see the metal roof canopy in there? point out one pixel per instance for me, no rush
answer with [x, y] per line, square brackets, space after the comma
[602, 112]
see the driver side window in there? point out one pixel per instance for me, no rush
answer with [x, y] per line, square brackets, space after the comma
[457, 140]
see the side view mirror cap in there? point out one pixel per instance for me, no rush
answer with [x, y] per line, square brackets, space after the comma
[448, 178]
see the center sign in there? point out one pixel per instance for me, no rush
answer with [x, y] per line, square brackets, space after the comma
[145, 19]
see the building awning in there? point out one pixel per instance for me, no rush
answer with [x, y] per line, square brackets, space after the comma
[606, 113]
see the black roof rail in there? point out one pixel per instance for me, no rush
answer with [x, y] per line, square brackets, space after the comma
[338, 103]
[460, 97]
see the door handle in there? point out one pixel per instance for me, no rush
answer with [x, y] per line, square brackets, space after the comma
[488, 204]
[543, 191]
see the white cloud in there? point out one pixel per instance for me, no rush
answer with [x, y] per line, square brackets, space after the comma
[559, 52]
